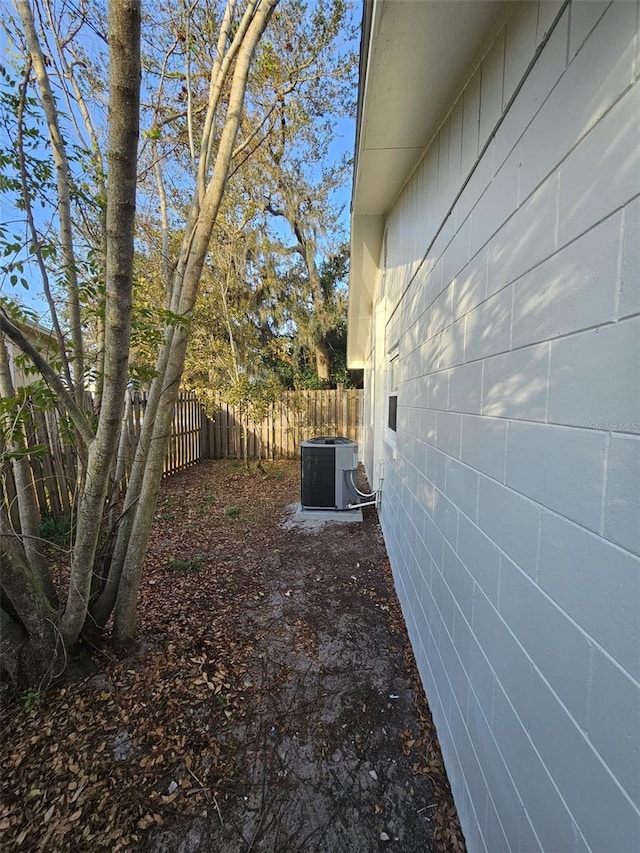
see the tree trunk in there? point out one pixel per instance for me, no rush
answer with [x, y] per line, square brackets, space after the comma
[28, 648]
[131, 548]
[323, 361]
[63, 181]
[306, 248]
[28, 511]
[124, 103]
[26, 662]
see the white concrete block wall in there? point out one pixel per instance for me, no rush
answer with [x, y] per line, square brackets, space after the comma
[511, 493]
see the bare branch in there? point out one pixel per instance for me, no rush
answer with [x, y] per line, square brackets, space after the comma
[50, 376]
[35, 237]
[63, 178]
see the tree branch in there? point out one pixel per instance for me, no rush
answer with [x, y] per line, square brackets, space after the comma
[35, 237]
[63, 180]
[50, 376]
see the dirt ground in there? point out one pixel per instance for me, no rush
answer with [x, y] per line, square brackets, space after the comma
[272, 703]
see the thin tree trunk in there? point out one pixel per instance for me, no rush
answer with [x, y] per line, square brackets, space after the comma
[187, 279]
[27, 504]
[76, 100]
[323, 359]
[31, 631]
[119, 475]
[124, 102]
[306, 248]
[63, 179]
[165, 263]
[227, 320]
[103, 605]
[33, 232]
[27, 661]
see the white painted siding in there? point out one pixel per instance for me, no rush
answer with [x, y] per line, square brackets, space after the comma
[511, 503]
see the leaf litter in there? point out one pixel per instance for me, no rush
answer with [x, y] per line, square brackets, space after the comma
[272, 702]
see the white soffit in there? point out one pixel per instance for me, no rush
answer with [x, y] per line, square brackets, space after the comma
[366, 239]
[417, 54]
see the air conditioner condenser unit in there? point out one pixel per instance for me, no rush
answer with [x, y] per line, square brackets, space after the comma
[324, 466]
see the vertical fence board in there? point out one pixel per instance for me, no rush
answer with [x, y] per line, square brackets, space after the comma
[289, 420]
[294, 417]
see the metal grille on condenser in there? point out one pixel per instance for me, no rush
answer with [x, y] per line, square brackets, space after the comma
[318, 478]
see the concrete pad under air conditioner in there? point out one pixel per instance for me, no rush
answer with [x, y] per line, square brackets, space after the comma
[329, 514]
[314, 519]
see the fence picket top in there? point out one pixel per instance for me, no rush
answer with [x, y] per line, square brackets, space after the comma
[290, 419]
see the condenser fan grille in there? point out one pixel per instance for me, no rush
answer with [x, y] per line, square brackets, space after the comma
[318, 478]
[323, 463]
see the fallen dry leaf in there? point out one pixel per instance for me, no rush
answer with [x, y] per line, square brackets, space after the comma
[92, 766]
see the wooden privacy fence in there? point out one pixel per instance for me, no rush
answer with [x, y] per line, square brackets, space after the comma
[225, 434]
[185, 445]
[293, 418]
[54, 465]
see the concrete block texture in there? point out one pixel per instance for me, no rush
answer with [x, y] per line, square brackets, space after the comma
[511, 505]
[489, 326]
[527, 238]
[546, 811]
[585, 15]
[480, 676]
[480, 556]
[562, 469]
[470, 122]
[491, 87]
[596, 78]
[471, 813]
[484, 443]
[593, 379]
[503, 812]
[445, 515]
[436, 468]
[536, 87]
[510, 663]
[570, 759]
[511, 521]
[449, 430]
[519, 47]
[612, 143]
[622, 519]
[630, 273]
[495, 206]
[451, 350]
[459, 581]
[596, 584]
[515, 384]
[470, 286]
[456, 254]
[562, 653]
[462, 487]
[612, 727]
[573, 290]
[465, 388]
[455, 144]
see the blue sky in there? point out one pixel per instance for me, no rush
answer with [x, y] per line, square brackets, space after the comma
[32, 298]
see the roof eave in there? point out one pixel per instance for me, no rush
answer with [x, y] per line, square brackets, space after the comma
[404, 44]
